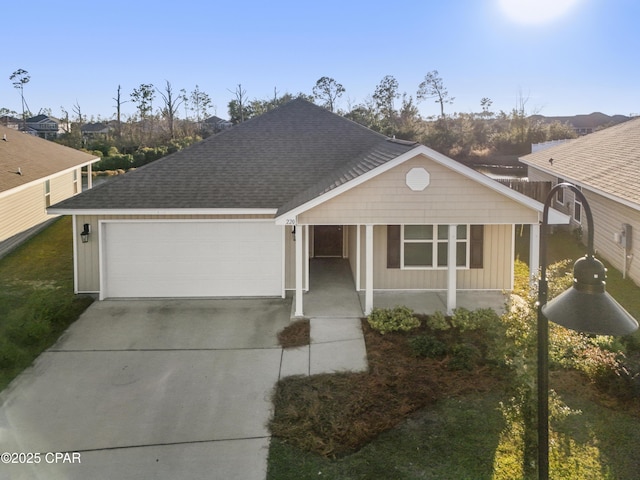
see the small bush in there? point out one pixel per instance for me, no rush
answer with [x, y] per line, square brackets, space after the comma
[427, 346]
[386, 320]
[464, 356]
[438, 321]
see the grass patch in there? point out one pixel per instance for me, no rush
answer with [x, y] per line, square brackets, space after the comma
[296, 334]
[37, 302]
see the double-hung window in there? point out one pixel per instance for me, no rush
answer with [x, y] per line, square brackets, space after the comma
[427, 246]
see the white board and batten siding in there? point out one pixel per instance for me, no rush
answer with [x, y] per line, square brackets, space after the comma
[167, 258]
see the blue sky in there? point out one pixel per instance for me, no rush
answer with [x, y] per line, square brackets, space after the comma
[583, 61]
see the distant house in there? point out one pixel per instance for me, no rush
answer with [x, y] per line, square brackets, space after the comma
[216, 124]
[585, 124]
[10, 122]
[33, 175]
[605, 165]
[45, 127]
[96, 130]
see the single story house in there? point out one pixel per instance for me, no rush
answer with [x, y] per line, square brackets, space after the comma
[34, 174]
[242, 213]
[605, 165]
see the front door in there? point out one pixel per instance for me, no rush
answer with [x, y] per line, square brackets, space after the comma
[327, 241]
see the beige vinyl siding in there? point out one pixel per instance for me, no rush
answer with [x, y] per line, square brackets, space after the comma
[496, 274]
[290, 257]
[608, 217]
[27, 207]
[88, 274]
[450, 197]
[567, 204]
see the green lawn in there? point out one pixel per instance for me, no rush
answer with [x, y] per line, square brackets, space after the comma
[37, 302]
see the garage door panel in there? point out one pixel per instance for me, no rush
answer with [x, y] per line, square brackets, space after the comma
[192, 259]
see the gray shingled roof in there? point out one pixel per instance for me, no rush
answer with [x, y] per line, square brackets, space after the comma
[607, 161]
[35, 158]
[279, 158]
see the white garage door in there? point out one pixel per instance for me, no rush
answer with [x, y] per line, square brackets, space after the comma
[191, 259]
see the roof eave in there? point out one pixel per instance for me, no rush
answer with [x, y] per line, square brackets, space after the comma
[160, 211]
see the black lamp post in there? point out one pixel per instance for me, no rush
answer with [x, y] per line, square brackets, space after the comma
[585, 307]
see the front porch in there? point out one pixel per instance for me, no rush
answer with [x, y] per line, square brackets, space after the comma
[333, 294]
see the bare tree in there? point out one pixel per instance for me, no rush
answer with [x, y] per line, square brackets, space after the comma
[433, 87]
[118, 106]
[78, 111]
[200, 104]
[171, 104]
[20, 78]
[239, 104]
[328, 90]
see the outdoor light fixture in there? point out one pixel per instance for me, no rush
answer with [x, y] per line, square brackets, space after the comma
[585, 307]
[84, 234]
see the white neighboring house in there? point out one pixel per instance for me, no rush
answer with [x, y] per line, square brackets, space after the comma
[605, 165]
[34, 174]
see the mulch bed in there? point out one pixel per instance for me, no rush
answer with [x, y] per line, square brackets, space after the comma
[335, 415]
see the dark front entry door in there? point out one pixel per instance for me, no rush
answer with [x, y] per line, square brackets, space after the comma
[327, 241]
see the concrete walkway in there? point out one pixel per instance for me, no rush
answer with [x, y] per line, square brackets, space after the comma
[337, 345]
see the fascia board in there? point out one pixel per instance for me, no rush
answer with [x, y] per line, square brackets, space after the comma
[162, 211]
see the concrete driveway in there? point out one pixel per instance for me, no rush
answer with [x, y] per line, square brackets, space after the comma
[158, 389]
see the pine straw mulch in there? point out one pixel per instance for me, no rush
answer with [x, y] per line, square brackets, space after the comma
[335, 415]
[296, 334]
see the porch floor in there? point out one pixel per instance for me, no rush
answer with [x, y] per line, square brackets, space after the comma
[332, 294]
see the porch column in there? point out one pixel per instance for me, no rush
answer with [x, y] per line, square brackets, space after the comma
[89, 177]
[534, 252]
[306, 258]
[368, 277]
[451, 270]
[299, 270]
[358, 256]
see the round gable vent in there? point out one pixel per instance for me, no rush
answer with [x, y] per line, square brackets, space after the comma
[417, 179]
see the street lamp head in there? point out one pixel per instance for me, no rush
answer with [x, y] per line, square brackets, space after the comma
[586, 306]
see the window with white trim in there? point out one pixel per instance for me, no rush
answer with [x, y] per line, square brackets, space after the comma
[577, 207]
[427, 246]
[47, 193]
[76, 188]
[560, 192]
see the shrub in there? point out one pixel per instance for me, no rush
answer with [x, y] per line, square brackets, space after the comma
[386, 320]
[438, 321]
[464, 356]
[427, 346]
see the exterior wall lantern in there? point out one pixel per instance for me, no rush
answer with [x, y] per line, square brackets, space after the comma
[585, 307]
[84, 234]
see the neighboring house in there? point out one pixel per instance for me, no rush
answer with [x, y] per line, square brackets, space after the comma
[45, 127]
[95, 130]
[584, 124]
[10, 122]
[34, 174]
[606, 167]
[216, 124]
[242, 212]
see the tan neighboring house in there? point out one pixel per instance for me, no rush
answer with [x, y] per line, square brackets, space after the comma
[244, 213]
[34, 174]
[605, 165]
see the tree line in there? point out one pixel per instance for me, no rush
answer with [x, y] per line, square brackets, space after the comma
[169, 119]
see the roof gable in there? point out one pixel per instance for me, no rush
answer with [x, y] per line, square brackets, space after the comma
[607, 161]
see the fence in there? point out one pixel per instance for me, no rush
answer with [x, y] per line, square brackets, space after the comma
[535, 190]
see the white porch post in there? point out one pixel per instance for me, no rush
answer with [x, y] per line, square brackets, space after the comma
[300, 240]
[89, 177]
[368, 278]
[451, 271]
[534, 252]
[358, 255]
